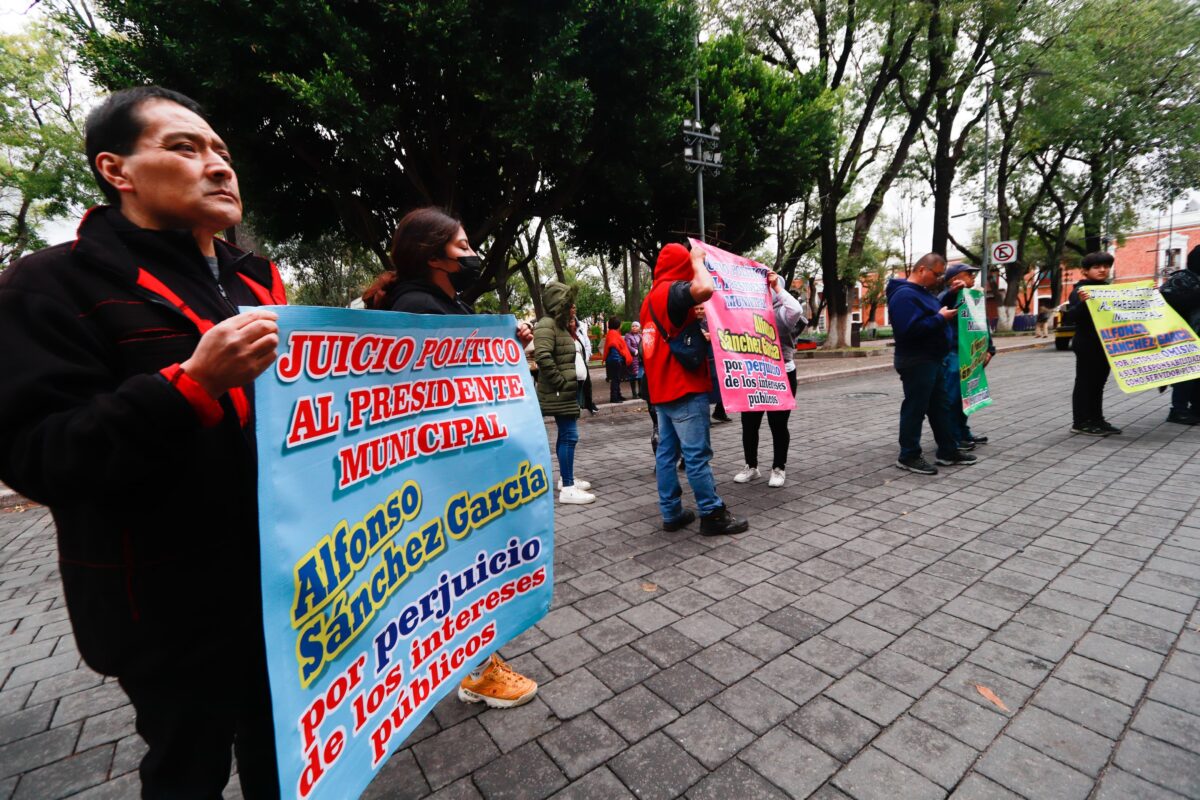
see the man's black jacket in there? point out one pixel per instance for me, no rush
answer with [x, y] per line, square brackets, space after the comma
[152, 484]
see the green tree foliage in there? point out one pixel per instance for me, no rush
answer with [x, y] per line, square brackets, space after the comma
[593, 303]
[862, 51]
[776, 127]
[342, 115]
[43, 173]
[1097, 110]
[325, 271]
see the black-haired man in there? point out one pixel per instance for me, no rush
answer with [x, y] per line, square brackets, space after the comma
[126, 408]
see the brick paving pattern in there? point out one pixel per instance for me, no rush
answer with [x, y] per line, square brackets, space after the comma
[837, 650]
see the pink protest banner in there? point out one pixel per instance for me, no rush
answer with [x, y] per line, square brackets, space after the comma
[741, 322]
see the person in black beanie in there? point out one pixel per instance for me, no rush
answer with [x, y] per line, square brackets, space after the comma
[1181, 290]
[1091, 365]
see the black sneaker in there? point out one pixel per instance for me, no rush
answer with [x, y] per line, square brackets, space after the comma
[722, 523]
[1089, 428]
[1182, 417]
[722, 418]
[959, 459]
[966, 445]
[916, 464]
[977, 439]
[1108, 427]
[686, 518]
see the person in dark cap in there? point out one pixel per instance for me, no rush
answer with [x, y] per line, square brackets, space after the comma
[964, 274]
[1091, 365]
[680, 393]
[1181, 290]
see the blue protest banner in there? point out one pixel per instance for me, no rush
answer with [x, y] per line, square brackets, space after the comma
[406, 520]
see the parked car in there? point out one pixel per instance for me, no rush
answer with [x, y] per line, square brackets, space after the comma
[1063, 330]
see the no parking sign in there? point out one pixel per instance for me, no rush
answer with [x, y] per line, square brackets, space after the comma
[1004, 252]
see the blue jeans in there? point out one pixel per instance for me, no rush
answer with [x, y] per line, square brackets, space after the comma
[1185, 396]
[683, 428]
[925, 396]
[564, 447]
[958, 420]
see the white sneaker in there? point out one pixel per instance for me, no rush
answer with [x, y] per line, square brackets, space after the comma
[578, 484]
[575, 496]
[747, 474]
[777, 478]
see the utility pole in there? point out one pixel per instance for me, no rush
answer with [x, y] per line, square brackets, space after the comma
[700, 151]
[987, 187]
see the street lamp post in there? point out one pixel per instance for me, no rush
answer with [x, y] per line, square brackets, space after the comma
[987, 187]
[700, 154]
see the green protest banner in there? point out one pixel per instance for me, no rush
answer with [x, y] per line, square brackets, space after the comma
[972, 350]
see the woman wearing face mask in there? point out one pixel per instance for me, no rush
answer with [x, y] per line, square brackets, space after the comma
[432, 261]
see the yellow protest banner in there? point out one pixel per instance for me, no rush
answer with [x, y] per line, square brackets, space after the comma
[1147, 343]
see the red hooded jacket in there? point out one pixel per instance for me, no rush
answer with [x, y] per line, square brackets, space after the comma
[666, 378]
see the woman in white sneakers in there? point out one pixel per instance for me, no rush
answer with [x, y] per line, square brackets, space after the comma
[788, 312]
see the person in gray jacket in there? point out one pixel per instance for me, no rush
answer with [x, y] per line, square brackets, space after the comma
[788, 312]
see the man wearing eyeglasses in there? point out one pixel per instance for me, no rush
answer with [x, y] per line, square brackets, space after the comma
[922, 332]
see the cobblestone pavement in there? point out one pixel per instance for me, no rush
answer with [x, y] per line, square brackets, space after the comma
[1025, 627]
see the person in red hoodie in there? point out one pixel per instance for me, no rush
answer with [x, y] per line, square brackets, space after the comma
[679, 394]
[616, 358]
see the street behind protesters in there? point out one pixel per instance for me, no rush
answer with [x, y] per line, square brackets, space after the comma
[964, 273]
[920, 327]
[1181, 290]
[1091, 365]
[617, 359]
[432, 262]
[560, 363]
[787, 313]
[126, 408]
[680, 394]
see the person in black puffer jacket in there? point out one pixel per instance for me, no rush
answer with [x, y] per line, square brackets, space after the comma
[1091, 365]
[432, 262]
[127, 407]
[1181, 290]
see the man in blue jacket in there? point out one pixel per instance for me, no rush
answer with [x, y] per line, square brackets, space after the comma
[922, 336]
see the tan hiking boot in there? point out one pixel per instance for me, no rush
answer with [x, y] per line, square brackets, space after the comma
[498, 686]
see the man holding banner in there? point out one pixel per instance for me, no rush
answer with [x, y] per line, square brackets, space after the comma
[1091, 363]
[126, 408]
[960, 298]
[679, 391]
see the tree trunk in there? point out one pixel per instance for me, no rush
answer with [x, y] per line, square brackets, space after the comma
[1056, 285]
[635, 282]
[834, 287]
[1093, 212]
[625, 287]
[558, 264]
[529, 273]
[943, 186]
